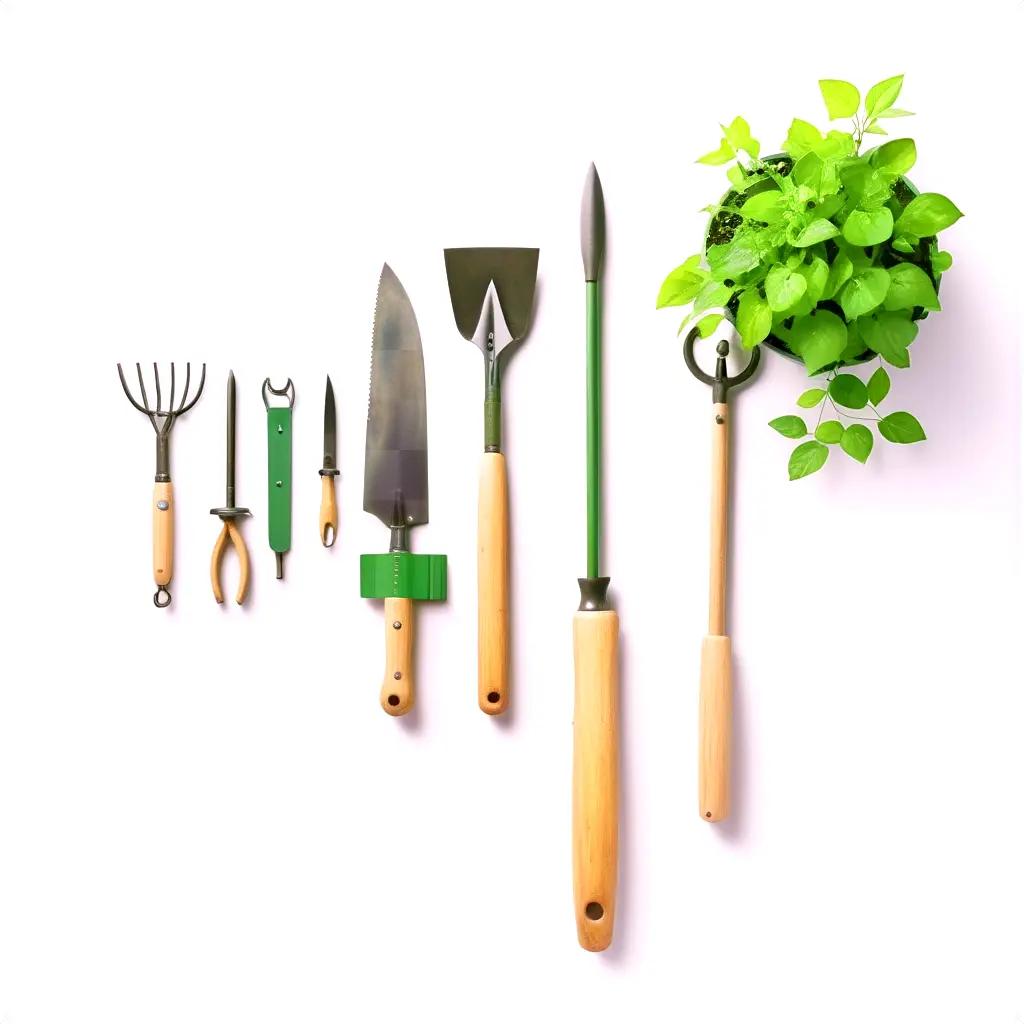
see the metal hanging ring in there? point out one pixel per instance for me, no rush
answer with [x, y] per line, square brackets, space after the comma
[162, 592]
[288, 391]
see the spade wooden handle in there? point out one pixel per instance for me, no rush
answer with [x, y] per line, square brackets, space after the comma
[328, 510]
[492, 586]
[163, 533]
[397, 694]
[595, 776]
[715, 720]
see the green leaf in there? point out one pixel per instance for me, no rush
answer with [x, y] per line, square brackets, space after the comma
[682, 284]
[807, 458]
[857, 441]
[889, 334]
[802, 137]
[820, 338]
[895, 112]
[855, 346]
[815, 232]
[864, 292]
[738, 136]
[883, 95]
[737, 177]
[783, 287]
[753, 318]
[868, 227]
[910, 286]
[928, 214]
[838, 274]
[712, 293]
[829, 432]
[764, 206]
[811, 397]
[902, 244]
[941, 262]
[707, 325]
[874, 129]
[848, 391]
[734, 258]
[722, 155]
[900, 428]
[789, 426]
[878, 386]
[841, 98]
[896, 157]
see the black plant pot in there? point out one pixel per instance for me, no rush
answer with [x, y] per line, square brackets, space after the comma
[723, 225]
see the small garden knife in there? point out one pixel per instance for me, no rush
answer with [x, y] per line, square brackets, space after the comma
[595, 629]
[329, 470]
[279, 471]
[395, 486]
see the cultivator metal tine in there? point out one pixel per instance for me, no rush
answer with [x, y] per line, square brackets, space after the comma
[183, 408]
[170, 403]
[156, 377]
[127, 391]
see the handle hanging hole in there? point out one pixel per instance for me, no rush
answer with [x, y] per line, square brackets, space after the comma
[394, 700]
[162, 597]
[493, 697]
[594, 911]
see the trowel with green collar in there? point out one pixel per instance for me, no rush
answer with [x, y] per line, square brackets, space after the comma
[395, 486]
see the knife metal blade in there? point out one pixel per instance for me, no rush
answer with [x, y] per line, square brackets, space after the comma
[395, 473]
[330, 429]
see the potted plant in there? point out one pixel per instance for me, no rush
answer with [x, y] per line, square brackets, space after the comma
[828, 254]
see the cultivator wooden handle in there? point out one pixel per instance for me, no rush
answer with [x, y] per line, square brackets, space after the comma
[163, 540]
[595, 775]
[397, 693]
[715, 739]
[492, 586]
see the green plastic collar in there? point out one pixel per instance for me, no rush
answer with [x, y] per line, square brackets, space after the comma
[403, 574]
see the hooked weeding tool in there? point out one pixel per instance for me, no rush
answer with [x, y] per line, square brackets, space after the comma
[329, 470]
[279, 471]
[595, 630]
[163, 493]
[715, 726]
[395, 486]
[229, 515]
[492, 298]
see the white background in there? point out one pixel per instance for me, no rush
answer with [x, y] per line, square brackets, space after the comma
[204, 814]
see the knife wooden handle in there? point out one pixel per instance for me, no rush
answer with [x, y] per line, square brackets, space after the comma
[397, 694]
[492, 586]
[715, 720]
[715, 744]
[328, 510]
[163, 532]
[595, 775]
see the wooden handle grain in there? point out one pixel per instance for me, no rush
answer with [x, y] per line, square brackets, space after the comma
[492, 586]
[397, 694]
[163, 533]
[715, 740]
[595, 776]
[328, 510]
[230, 532]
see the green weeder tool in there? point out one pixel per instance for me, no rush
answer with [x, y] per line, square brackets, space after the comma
[279, 470]
[595, 799]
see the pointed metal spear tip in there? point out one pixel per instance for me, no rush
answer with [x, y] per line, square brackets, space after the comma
[592, 226]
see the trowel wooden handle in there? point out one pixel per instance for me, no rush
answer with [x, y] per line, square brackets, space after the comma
[715, 740]
[163, 533]
[328, 510]
[595, 776]
[715, 728]
[492, 586]
[397, 693]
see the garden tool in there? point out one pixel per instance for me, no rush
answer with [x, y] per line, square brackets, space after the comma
[595, 632]
[329, 470]
[395, 486]
[492, 298]
[715, 726]
[163, 493]
[279, 470]
[228, 516]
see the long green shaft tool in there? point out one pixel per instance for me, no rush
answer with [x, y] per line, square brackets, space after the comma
[279, 471]
[595, 802]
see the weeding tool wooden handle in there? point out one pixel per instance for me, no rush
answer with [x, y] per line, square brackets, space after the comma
[492, 586]
[595, 775]
[715, 740]
[163, 533]
[328, 510]
[397, 694]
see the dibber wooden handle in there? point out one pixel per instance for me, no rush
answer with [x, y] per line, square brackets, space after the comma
[595, 776]
[397, 694]
[715, 740]
[328, 510]
[163, 533]
[492, 586]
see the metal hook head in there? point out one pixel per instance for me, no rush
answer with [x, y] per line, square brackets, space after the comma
[162, 597]
[721, 382]
[288, 391]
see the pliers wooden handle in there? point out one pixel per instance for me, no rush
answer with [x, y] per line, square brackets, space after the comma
[230, 531]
